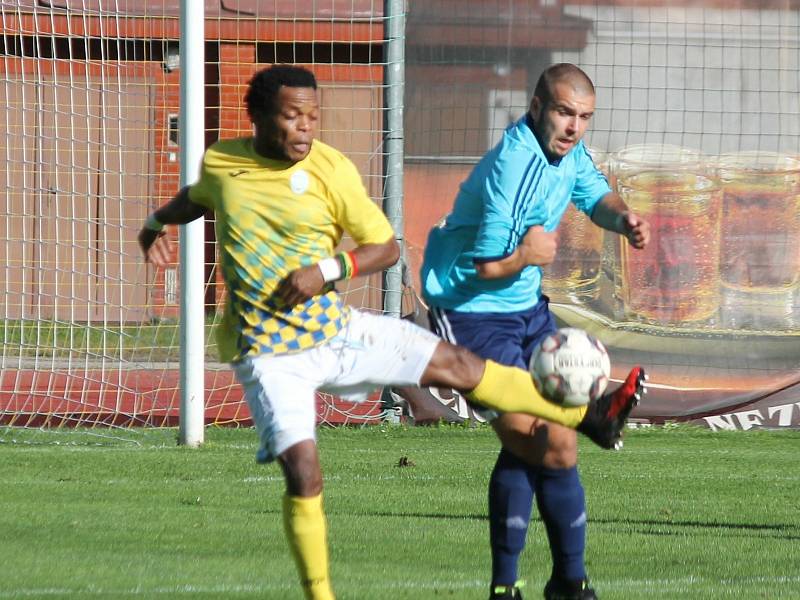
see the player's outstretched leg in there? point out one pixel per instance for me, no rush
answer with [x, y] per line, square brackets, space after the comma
[607, 415]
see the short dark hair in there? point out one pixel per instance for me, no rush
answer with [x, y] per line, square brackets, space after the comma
[561, 72]
[264, 86]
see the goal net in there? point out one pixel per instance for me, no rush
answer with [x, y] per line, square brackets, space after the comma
[89, 98]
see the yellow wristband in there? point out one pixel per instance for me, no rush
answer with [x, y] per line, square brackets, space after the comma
[347, 264]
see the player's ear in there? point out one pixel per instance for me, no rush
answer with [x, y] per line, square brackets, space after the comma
[536, 108]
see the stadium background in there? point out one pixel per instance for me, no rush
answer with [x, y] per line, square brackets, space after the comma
[90, 124]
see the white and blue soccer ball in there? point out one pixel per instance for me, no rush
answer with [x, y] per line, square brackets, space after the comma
[570, 367]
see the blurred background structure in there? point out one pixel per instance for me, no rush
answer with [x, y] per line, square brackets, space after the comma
[697, 125]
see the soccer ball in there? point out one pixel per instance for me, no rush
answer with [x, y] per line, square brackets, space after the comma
[570, 367]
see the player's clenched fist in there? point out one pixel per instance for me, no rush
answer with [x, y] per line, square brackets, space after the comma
[636, 230]
[539, 246]
[156, 247]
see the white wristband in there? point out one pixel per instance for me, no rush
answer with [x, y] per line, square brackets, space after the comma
[331, 269]
[152, 223]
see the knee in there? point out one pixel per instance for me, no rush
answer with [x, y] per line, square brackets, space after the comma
[302, 472]
[464, 365]
[562, 450]
[302, 480]
[551, 457]
[537, 442]
[454, 367]
[561, 460]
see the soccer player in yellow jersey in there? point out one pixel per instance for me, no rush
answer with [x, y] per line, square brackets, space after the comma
[282, 201]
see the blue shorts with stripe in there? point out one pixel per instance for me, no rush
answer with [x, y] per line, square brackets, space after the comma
[507, 338]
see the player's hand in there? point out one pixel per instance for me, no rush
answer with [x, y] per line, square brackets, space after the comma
[156, 247]
[539, 246]
[635, 229]
[300, 285]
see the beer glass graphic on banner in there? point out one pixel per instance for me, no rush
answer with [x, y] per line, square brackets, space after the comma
[573, 276]
[624, 163]
[675, 280]
[760, 243]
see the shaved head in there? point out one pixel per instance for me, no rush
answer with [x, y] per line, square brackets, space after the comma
[566, 73]
[561, 108]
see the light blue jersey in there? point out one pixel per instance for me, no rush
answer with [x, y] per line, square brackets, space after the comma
[512, 188]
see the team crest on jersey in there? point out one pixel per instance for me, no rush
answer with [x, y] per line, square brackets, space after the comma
[299, 181]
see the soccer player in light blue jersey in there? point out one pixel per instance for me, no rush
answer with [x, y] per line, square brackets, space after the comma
[482, 279]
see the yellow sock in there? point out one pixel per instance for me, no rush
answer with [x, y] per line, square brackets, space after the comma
[306, 531]
[511, 390]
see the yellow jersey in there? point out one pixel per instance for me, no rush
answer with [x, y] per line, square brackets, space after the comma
[272, 218]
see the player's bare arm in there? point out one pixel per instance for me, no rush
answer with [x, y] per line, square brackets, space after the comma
[153, 240]
[538, 247]
[307, 282]
[613, 214]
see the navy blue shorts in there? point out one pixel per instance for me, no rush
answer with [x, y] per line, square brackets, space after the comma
[506, 338]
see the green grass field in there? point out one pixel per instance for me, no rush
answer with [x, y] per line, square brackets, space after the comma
[156, 341]
[680, 513]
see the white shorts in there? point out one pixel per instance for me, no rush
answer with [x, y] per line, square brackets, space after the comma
[370, 352]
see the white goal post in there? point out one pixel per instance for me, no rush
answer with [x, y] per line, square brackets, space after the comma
[192, 235]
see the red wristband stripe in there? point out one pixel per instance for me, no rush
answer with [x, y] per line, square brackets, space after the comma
[352, 256]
